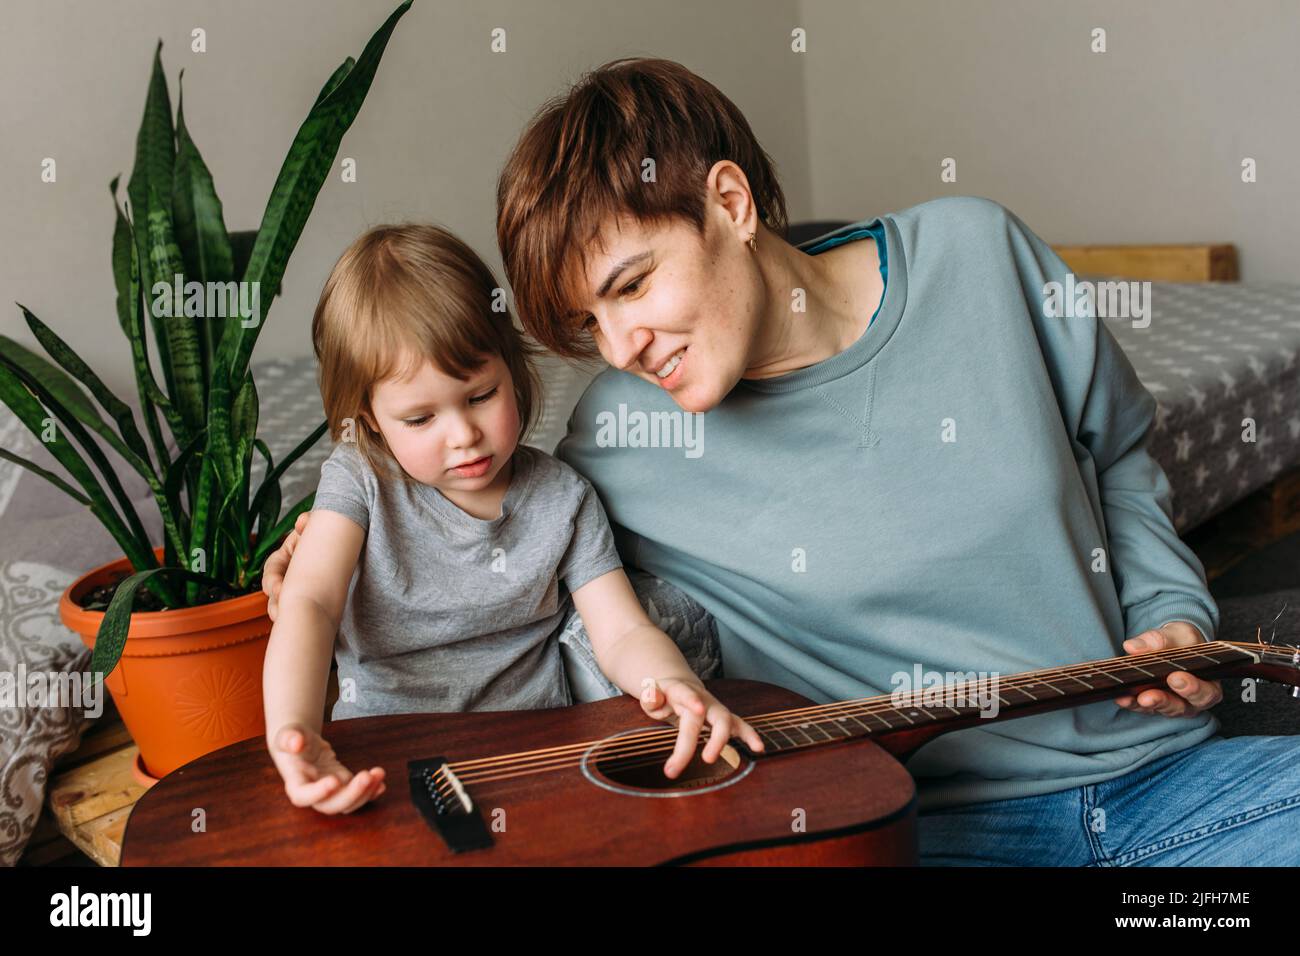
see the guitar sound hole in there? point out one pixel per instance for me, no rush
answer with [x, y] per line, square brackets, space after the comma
[646, 771]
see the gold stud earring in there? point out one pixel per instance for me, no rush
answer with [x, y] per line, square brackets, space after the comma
[753, 246]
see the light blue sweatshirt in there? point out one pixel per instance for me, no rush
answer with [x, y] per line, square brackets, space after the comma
[965, 488]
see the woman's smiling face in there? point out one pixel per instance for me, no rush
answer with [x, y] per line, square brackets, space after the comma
[663, 294]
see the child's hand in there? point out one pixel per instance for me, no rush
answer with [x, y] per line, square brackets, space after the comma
[313, 776]
[687, 704]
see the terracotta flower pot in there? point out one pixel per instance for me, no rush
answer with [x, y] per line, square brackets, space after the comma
[189, 680]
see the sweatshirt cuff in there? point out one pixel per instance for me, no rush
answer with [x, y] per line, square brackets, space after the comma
[1157, 616]
[1204, 639]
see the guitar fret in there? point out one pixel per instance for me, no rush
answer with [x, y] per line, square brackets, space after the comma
[865, 728]
[804, 732]
[1106, 673]
[1212, 660]
[789, 741]
[888, 725]
[816, 724]
[833, 722]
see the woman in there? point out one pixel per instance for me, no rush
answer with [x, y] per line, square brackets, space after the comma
[909, 463]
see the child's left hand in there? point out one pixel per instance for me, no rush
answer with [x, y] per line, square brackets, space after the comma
[687, 704]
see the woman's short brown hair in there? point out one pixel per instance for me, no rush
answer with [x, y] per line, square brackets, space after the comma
[579, 165]
[412, 290]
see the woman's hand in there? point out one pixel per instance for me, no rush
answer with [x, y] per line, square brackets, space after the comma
[313, 776]
[1191, 694]
[687, 704]
[277, 565]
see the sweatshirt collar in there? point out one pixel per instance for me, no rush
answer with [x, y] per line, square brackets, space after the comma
[878, 332]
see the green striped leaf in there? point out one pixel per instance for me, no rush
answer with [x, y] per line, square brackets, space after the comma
[196, 209]
[267, 501]
[155, 159]
[273, 477]
[272, 541]
[189, 386]
[36, 386]
[301, 176]
[49, 476]
[308, 162]
[21, 401]
[121, 262]
[71, 362]
[110, 640]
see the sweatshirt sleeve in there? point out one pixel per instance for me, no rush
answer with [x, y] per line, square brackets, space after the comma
[1110, 416]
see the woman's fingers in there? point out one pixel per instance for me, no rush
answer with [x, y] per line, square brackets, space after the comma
[277, 565]
[1190, 695]
[1200, 694]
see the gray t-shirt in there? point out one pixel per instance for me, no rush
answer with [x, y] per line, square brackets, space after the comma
[449, 612]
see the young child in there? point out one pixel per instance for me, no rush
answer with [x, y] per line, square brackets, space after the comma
[439, 548]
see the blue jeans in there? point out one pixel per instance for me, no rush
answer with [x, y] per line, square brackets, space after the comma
[1229, 801]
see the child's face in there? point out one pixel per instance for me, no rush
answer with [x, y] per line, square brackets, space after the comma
[434, 423]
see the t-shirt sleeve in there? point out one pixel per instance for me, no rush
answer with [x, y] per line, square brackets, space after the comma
[342, 487]
[591, 551]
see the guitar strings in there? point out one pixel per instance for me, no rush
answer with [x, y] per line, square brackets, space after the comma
[555, 758]
[652, 741]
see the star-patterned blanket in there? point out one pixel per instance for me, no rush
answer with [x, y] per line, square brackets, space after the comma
[1218, 356]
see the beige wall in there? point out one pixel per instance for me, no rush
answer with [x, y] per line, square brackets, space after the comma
[440, 119]
[1140, 144]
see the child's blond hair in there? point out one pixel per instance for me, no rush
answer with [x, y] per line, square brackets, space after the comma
[413, 288]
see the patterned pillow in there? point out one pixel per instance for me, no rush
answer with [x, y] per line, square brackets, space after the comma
[49, 540]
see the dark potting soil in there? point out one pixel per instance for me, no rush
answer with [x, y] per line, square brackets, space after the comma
[97, 598]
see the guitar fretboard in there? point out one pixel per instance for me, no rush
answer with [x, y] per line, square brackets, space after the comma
[1009, 695]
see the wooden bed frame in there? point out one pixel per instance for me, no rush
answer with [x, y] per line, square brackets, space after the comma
[1187, 263]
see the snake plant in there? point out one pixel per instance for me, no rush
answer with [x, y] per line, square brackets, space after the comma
[217, 527]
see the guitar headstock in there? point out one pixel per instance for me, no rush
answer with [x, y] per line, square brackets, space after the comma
[1279, 663]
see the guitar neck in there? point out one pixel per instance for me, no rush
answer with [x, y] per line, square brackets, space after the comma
[904, 720]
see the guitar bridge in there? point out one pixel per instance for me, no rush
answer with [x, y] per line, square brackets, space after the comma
[446, 806]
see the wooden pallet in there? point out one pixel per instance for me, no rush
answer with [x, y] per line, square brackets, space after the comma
[1255, 522]
[89, 798]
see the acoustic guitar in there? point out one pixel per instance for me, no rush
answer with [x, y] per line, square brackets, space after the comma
[584, 785]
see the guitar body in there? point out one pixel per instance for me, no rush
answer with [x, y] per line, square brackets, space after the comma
[848, 803]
